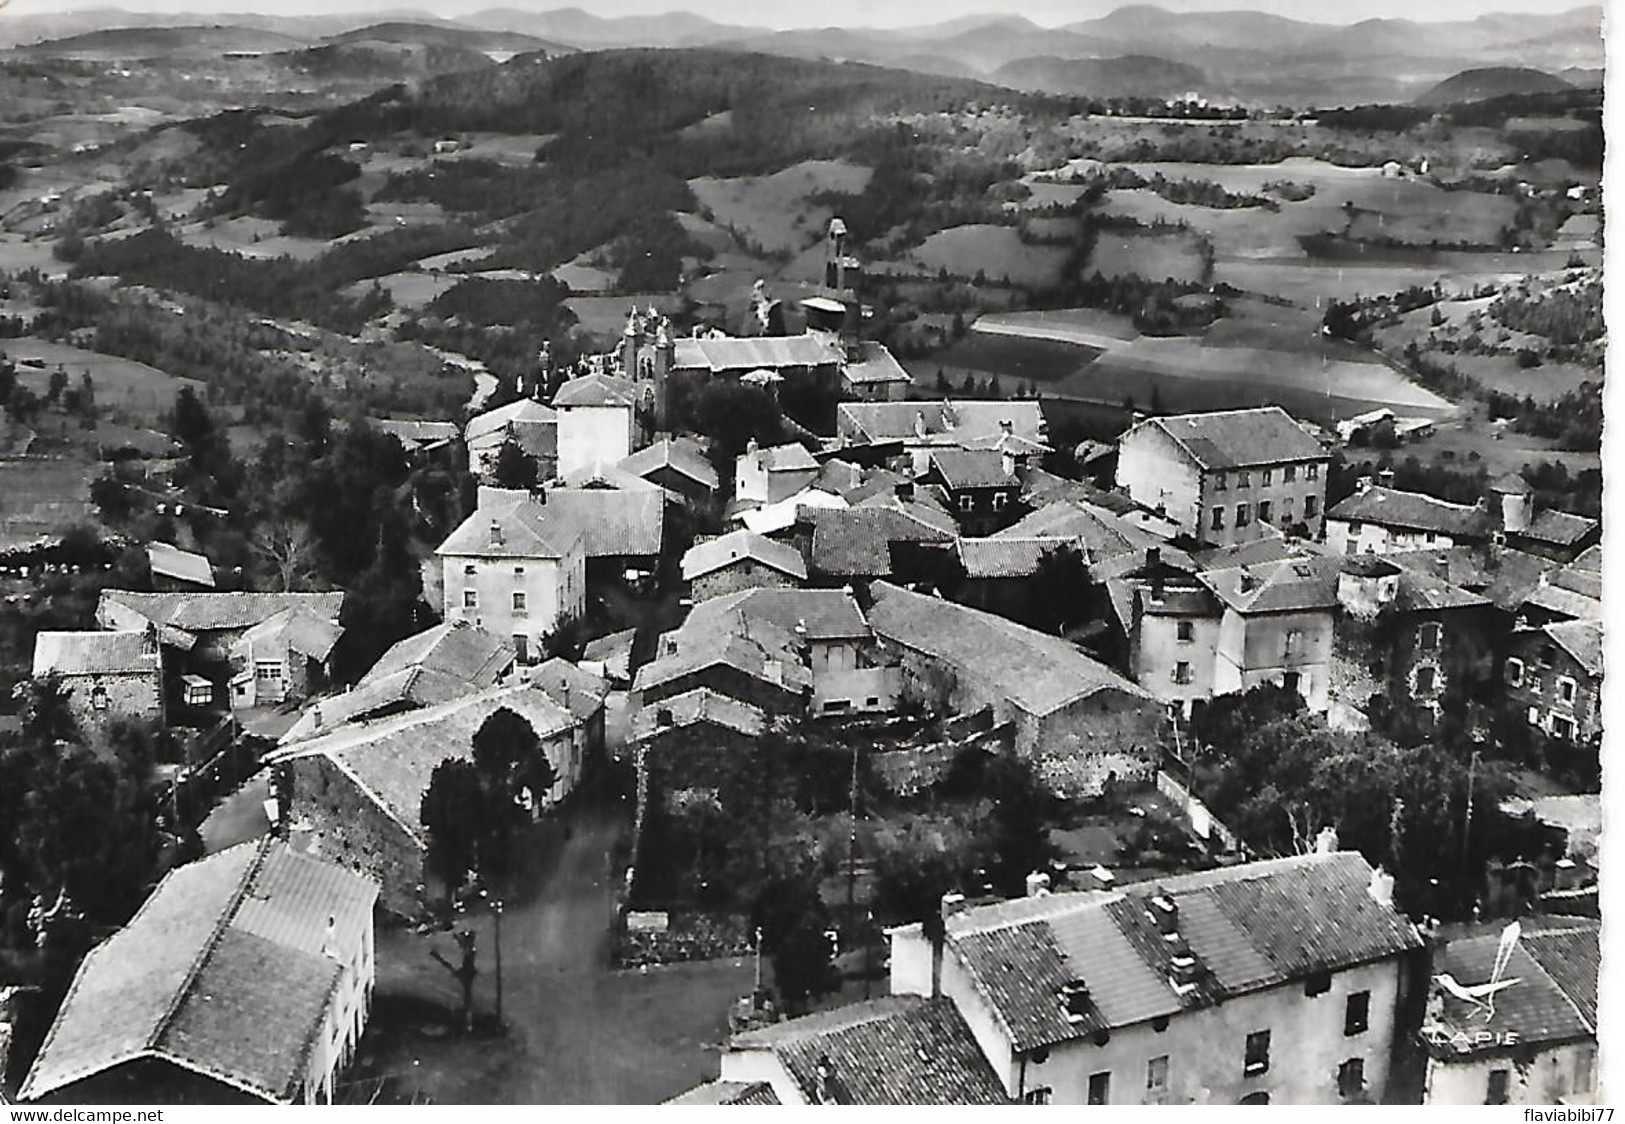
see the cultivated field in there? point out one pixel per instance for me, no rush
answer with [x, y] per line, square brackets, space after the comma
[40, 496]
[1086, 327]
[408, 289]
[1014, 360]
[251, 237]
[772, 211]
[1156, 257]
[122, 385]
[606, 316]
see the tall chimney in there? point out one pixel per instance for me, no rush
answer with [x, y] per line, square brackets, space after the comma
[826, 1080]
[1381, 889]
[1385, 478]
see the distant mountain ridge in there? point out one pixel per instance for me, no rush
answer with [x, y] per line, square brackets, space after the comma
[1253, 56]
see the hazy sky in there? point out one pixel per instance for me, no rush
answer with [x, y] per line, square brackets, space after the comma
[819, 13]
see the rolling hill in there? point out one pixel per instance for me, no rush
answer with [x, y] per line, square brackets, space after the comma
[1142, 76]
[1492, 82]
[143, 42]
[448, 34]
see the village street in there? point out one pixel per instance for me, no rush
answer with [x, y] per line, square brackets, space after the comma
[578, 1032]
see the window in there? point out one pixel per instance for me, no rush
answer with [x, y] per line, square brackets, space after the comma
[521, 647]
[1426, 679]
[1312, 471]
[1289, 473]
[518, 571]
[468, 570]
[1514, 672]
[1241, 479]
[1241, 515]
[1357, 1013]
[1351, 1078]
[1186, 631]
[1220, 482]
[1100, 1088]
[966, 502]
[1264, 477]
[471, 599]
[1534, 716]
[1566, 689]
[1156, 1080]
[1258, 1053]
[1317, 984]
[1255, 1098]
[1429, 635]
[1495, 1090]
[1293, 643]
[1182, 672]
[999, 500]
[1562, 727]
[1036, 1096]
[1264, 508]
[1355, 526]
[1311, 506]
[1532, 682]
[1218, 519]
[98, 697]
[1291, 680]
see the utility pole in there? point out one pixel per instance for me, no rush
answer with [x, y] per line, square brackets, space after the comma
[1467, 816]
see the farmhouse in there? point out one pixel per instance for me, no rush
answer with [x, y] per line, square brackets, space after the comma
[246, 977]
[1379, 518]
[883, 537]
[1226, 477]
[359, 789]
[1081, 724]
[107, 674]
[740, 560]
[435, 666]
[533, 427]
[206, 626]
[1276, 982]
[1553, 679]
[919, 428]
[510, 570]
[284, 657]
[1276, 625]
[1558, 535]
[980, 487]
[765, 476]
[680, 467]
[596, 423]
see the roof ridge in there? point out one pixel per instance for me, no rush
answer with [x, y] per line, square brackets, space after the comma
[220, 925]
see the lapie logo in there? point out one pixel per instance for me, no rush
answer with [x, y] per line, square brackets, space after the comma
[1469, 1039]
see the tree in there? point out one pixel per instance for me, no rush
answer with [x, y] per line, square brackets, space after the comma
[453, 813]
[514, 467]
[57, 384]
[46, 715]
[802, 966]
[1059, 586]
[515, 776]
[286, 549]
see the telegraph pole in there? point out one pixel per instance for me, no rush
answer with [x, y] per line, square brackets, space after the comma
[1467, 816]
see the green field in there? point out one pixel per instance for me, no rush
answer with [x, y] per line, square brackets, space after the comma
[408, 289]
[39, 497]
[1013, 359]
[606, 316]
[996, 252]
[122, 385]
[1086, 327]
[772, 211]
[1156, 257]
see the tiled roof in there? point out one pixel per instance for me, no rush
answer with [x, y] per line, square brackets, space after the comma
[221, 972]
[520, 528]
[523, 411]
[435, 666]
[624, 519]
[699, 706]
[900, 1050]
[1006, 557]
[825, 614]
[1413, 511]
[945, 422]
[1421, 592]
[1239, 438]
[1554, 999]
[1560, 528]
[1503, 575]
[1266, 548]
[789, 457]
[596, 390]
[680, 454]
[875, 365]
[1581, 639]
[1037, 672]
[574, 688]
[965, 468]
[172, 562]
[857, 542]
[94, 653]
[1112, 546]
[715, 554]
[740, 353]
[727, 1093]
[296, 630]
[768, 663]
[1295, 584]
[615, 645]
[208, 612]
[416, 432]
[1555, 597]
[1252, 926]
[1043, 487]
[390, 760]
[778, 516]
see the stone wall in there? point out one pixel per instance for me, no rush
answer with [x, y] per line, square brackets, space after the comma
[354, 832]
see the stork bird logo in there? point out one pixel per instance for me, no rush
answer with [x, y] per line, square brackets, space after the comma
[1482, 996]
